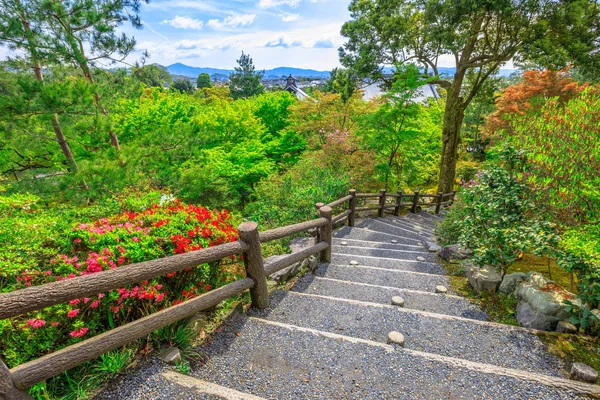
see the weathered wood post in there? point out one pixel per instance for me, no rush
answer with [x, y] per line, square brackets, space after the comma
[398, 203]
[438, 206]
[352, 207]
[382, 197]
[413, 209]
[253, 262]
[325, 234]
[318, 235]
[8, 390]
[453, 195]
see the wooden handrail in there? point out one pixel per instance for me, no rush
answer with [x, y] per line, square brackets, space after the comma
[37, 297]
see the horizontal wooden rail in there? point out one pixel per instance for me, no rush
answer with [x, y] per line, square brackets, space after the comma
[295, 257]
[38, 297]
[55, 363]
[341, 216]
[367, 208]
[339, 201]
[282, 232]
[432, 196]
[362, 195]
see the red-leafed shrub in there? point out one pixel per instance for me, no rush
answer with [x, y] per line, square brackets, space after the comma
[110, 243]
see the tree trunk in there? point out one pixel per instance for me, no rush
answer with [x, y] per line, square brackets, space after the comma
[454, 114]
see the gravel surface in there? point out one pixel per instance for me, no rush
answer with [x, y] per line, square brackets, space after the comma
[466, 339]
[385, 253]
[384, 227]
[380, 245]
[449, 305]
[400, 279]
[402, 265]
[420, 218]
[277, 363]
[415, 226]
[363, 234]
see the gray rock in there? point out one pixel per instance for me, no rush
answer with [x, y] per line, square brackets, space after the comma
[394, 241]
[441, 289]
[484, 278]
[272, 284]
[353, 262]
[170, 355]
[594, 322]
[301, 243]
[584, 373]
[433, 247]
[344, 243]
[398, 301]
[420, 258]
[285, 273]
[452, 253]
[529, 318]
[396, 338]
[566, 327]
[541, 301]
[197, 322]
[510, 281]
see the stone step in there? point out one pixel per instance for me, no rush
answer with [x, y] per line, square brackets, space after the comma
[281, 361]
[379, 245]
[414, 299]
[384, 277]
[423, 218]
[383, 253]
[415, 226]
[355, 233]
[200, 389]
[450, 336]
[388, 263]
[378, 225]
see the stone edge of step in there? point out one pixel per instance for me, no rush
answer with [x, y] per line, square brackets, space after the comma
[201, 386]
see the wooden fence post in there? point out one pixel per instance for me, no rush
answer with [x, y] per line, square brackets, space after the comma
[382, 193]
[253, 262]
[413, 209]
[8, 389]
[318, 235]
[438, 206]
[325, 234]
[352, 207]
[398, 203]
[453, 194]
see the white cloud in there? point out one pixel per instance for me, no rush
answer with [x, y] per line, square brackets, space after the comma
[275, 3]
[287, 17]
[184, 23]
[233, 21]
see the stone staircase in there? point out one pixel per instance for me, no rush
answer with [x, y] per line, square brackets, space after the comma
[327, 338]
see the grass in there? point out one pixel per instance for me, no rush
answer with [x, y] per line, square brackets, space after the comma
[573, 348]
[544, 266]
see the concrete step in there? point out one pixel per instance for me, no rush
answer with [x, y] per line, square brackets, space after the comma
[355, 233]
[282, 361]
[380, 245]
[388, 263]
[468, 339]
[200, 389]
[414, 299]
[416, 226]
[383, 253]
[378, 225]
[423, 218]
[384, 277]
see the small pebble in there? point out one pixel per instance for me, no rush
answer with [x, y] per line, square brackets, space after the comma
[396, 338]
[353, 262]
[344, 243]
[398, 301]
[584, 373]
[420, 258]
[394, 241]
[441, 289]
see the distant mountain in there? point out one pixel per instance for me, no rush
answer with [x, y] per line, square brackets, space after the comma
[193, 72]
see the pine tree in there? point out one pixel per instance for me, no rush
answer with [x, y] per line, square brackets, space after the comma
[245, 81]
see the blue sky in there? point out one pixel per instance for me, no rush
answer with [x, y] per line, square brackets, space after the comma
[211, 33]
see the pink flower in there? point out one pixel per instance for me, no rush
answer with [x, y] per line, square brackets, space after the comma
[160, 297]
[77, 240]
[79, 332]
[54, 324]
[95, 304]
[100, 295]
[73, 313]
[36, 323]
[73, 302]
[135, 239]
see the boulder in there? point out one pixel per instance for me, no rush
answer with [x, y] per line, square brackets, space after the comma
[566, 327]
[453, 253]
[530, 318]
[288, 272]
[543, 301]
[594, 322]
[170, 355]
[584, 373]
[484, 278]
[433, 247]
[510, 281]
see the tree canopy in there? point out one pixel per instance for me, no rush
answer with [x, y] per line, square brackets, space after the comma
[245, 81]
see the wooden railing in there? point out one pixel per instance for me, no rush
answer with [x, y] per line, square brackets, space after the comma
[38, 297]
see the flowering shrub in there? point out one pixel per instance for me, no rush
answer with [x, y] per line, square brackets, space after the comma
[110, 243]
